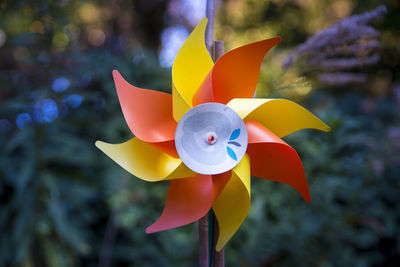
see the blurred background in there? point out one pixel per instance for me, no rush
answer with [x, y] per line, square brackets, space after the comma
[64, 203]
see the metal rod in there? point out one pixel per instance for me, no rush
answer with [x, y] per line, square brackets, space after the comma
[203, 242]
[204, 255]
[218, 49]
[210, 26]
[218, 256]
[210, 237]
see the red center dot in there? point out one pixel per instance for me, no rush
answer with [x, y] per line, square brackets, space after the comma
[211, 138]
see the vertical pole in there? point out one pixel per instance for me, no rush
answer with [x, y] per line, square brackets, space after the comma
[218, 49]
[218, 256]
[204, 257]
[203, 242]
[210, 26]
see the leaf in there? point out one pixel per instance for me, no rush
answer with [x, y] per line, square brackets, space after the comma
[235, 134]
[231, 153]
[234, 143]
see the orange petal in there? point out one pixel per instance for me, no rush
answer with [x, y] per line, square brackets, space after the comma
[235, 74]
[205, 92]
[187, 201]
[148, 113]
[167, 147]
[219, 182]
[271, 158]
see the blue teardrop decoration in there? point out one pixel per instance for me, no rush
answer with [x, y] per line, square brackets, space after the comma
[235, 134]
[231, 153]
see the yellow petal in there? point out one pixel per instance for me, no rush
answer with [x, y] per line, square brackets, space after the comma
[190, 68]
[233, 204]
[144, 161]
[281, 116]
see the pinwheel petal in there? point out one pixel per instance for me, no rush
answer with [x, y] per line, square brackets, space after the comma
[280, 116]
[167, 147]
[190, 68]
[233, 203]
[219, 182]
[144, 161]
[235, 73]
[148, 113]
[188, 200]
[273, 159]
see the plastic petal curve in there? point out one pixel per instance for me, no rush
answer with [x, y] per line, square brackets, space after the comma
[280, 116]
[190, 68]
[187, 201]
[167, 147]
[235, 74]
[233, 203]
[145, 161]
[219, 182]
[148, 113]
[273, 159]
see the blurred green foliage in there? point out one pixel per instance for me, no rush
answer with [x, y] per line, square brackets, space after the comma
[63, 203]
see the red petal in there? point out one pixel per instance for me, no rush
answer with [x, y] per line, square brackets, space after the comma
[235, 74]
[188, 200]
[271, 158]
[148, 113]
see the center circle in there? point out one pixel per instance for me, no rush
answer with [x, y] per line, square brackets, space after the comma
[211, 138]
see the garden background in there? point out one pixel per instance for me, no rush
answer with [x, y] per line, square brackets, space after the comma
[64, 203]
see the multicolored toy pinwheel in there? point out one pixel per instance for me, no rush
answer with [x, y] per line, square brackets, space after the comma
[210, 135]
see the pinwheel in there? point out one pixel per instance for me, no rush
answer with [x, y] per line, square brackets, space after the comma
[210, 135]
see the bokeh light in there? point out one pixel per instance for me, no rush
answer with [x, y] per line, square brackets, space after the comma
[37, 26]
[49, 110]
[74, 100]
[60, 84]
[172, 39]
[23, 120]
[96, 37]
[89, 13]
[193, 10]
[60, 41]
